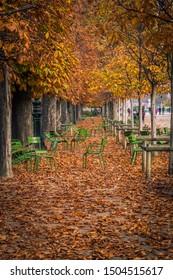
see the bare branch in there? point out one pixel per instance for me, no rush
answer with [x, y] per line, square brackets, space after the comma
[143, 12]
[20, 9]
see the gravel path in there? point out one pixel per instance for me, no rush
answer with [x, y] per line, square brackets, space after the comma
[161, 120]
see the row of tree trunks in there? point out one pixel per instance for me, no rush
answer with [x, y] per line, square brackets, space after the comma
[16, 118]
[115, 110]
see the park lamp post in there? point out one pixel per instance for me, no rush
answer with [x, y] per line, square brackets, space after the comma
[37, 120]
[37, 114]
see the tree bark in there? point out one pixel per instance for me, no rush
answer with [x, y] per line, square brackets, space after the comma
[74, 113]
[107, 110]
[49, 112]
[104, 110]
[5, 127]
[63, 111]
[153, 108]
[58, 115]
[22, 115]
[131, 109]
[140, 112]
[125, 110]
[80, 110]
[69, 112]
[170, 168]
[119, 109]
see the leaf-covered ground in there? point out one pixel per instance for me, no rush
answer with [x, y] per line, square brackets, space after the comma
[111, 213]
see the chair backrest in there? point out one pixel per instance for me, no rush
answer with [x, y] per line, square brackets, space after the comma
[49, 137]
[16, 144]
[54, 134]
[158, 131]
[75, 129]
[53, 147]
[83, 132]
[103, 144]
[127, 133]
[34, 142]
[132, 137]
[144, 132]
[166, 130]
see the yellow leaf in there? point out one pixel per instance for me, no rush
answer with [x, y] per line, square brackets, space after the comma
[47, 35]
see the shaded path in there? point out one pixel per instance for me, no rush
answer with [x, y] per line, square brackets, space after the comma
[91, 214]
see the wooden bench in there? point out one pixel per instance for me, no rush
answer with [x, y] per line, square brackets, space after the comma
[149, 148]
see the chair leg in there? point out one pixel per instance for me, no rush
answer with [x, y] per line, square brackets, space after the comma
[36, 163]
[102, 161]
[54, 161]
[133, 159]
[71, 145]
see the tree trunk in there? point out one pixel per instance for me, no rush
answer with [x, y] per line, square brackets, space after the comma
[63, 111]
[5, 127]
[153, 108]
[77, 112]
[123, 110]
[114, 113]
[140, 112]
[49, 111]
[80, 110]
[119, 109]
[22, 124]
[111, 110]
[58, 115]
[69, 111]
[170, 168]
[104, 110]
[107, 110]
[131, 111]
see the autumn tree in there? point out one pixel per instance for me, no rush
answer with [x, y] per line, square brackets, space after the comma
[157, 17]
[35, 50]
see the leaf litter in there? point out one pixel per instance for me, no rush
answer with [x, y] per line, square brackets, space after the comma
[95, 213]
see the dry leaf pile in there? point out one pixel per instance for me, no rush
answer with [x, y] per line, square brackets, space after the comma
[111, 213]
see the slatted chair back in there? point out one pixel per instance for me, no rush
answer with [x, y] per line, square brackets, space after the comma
[34, 143]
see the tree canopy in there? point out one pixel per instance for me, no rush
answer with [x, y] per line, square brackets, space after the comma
[79, 49]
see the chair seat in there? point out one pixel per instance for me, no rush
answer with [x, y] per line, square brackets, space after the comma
[137, 149]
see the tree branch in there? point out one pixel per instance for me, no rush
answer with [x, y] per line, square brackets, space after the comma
[143, 12]
[20, 9]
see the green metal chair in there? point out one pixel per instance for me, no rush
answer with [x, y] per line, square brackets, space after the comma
[135, 148]
[95, 149]
[55, 136]
[98, 130]
[78, 138]
[166, 130]
[49, 156]
[144, 132]
[34, 144]
[20, 154]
